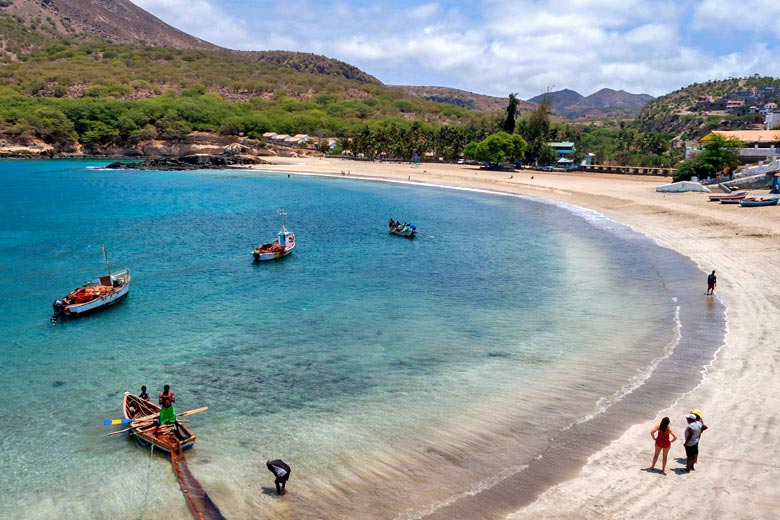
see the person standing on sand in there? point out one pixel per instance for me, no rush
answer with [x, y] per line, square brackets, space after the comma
[692, 434]
[660, 435]
[281, 471]
[703, 426]
[711, 281]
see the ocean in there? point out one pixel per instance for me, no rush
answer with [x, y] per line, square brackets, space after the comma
[461, 371]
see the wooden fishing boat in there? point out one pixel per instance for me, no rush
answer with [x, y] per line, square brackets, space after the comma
[279, 248]
[402, 229]
[144, 414]
[95, 295]
[752, 203]
[733, 195]
[734, 200]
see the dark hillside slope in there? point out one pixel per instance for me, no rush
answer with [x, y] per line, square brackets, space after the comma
[118, 21]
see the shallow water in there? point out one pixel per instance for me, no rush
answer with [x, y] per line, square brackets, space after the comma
[373, 364]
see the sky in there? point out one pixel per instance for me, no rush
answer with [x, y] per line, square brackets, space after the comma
[497, 47]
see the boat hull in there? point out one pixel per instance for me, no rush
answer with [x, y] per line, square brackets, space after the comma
[758, 203]
[405, 234]
[264, 257]
[149, 433]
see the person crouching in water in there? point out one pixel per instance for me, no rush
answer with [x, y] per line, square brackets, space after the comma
[281, 471]
[661, 435]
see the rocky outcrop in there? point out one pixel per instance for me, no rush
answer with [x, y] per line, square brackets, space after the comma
[189, 162]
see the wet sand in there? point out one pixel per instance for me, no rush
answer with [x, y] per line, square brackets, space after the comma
[737, 470]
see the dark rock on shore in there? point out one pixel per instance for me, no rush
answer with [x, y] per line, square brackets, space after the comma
[189, 162]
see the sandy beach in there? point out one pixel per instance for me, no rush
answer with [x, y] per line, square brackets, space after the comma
[738, 395]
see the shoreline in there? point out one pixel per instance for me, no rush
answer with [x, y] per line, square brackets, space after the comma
[732, 480]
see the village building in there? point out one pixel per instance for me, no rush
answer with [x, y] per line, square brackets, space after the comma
[759, 144]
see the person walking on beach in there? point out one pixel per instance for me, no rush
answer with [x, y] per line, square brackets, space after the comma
[281, 471]
[711, 281]
[692, 434]
[661, 435]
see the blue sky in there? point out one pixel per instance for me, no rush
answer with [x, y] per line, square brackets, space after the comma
[496, 47]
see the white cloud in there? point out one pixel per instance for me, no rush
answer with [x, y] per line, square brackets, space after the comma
[498, 46]
[758, 16]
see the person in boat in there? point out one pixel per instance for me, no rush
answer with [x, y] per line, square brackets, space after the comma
[144, 394]
[167, 412]
[392, 223]
[281, 471]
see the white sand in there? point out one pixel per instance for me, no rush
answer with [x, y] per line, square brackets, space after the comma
[738, 474]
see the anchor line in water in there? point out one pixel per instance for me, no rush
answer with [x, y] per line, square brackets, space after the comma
[201, 505]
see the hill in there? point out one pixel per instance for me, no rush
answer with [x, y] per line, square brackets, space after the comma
[606, 103]
[693, 111]
[462, 98]
[42, 21]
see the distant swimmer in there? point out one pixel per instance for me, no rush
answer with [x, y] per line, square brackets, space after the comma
[281, 471]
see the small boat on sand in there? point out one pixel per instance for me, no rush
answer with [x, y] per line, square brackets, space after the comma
[753, 202]
[281, 247]
[738, 195]
[168, 437]
[402, 229]
[95, 295]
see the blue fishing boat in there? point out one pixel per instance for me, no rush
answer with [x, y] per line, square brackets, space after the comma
[771, 201]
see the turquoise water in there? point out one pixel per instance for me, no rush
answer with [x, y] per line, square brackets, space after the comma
[358, 348]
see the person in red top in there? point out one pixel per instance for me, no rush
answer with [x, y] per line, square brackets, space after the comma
[663, 437]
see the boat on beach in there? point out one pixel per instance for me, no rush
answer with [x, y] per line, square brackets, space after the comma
[752, 202]
[144, 414]
[402, 229]
[737, 195]
[94, 295]
[279, 248]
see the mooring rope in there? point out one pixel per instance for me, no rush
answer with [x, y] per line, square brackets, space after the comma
[148, 480]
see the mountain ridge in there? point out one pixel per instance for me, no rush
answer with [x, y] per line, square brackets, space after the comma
[605, 103]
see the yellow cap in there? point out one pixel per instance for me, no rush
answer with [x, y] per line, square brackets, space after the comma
[696, 412]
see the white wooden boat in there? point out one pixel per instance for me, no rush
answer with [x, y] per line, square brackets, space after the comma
[281, 247]
[94, 295]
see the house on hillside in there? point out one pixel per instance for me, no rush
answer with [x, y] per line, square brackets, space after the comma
[759, 144]
[269, 135]
[282, 137]
[734, 104]
[297, 139]
[772, 121]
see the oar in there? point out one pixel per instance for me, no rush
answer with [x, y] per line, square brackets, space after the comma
[109, 422]
[126, 429]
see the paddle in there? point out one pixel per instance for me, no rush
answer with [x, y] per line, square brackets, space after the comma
[109, 422]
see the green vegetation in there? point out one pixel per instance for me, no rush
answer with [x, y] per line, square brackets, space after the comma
[719, 155]
[499, 147]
